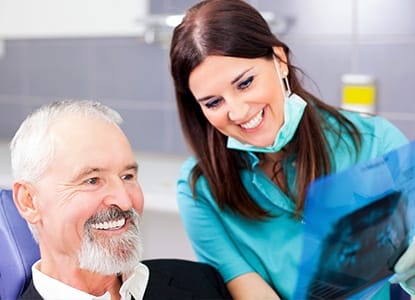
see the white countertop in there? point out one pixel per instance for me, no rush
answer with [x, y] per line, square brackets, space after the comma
[158, 174]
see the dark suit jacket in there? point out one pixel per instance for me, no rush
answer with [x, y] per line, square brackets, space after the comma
[173, 279]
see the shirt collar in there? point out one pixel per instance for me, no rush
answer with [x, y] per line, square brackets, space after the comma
[52, 289]
[136, 283]
[253, 158]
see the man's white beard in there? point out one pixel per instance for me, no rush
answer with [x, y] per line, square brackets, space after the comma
[118, 254]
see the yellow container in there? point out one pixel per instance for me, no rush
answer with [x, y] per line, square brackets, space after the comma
[359, 93]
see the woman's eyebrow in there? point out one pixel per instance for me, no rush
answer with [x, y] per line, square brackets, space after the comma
[204, 98]
[232, 82]
[241, 75]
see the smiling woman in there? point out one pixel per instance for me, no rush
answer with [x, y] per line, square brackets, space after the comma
[258, 138]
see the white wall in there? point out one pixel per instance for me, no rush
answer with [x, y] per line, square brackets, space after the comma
[164, 236]
[73, 18]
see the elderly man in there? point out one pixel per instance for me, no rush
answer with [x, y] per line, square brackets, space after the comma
[75, 183]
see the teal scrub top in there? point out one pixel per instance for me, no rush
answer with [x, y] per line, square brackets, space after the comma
[235, 245]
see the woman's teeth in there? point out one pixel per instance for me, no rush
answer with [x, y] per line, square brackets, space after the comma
[255, 121]
[111, 225]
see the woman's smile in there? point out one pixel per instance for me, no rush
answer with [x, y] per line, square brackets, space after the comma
[255, 121]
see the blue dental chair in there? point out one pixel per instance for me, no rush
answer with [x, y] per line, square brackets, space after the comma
[17, 247]
[18, 251]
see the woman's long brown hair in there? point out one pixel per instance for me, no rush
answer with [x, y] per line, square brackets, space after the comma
[234, 28]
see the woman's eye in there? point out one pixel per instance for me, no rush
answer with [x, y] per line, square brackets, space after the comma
[92, 181]
[246, 83]
[213, 103]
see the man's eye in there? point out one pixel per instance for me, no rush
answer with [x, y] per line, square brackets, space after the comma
[213, 103]
[92, 181]
[246, 83]
[127, 177]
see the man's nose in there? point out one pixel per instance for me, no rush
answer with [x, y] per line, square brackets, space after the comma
[117, 194]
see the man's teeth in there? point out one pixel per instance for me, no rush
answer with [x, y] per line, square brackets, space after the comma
[109, 225]
[254, 122]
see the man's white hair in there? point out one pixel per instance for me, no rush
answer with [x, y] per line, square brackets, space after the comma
[32, 148]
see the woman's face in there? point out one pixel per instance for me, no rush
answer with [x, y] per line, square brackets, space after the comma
[241, 97]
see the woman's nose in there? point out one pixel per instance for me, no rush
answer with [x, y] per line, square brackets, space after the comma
[237, 111]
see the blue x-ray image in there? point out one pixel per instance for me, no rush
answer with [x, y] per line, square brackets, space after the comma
[357, 223]
[350, 255]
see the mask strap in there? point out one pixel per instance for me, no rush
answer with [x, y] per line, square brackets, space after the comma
[285, 88]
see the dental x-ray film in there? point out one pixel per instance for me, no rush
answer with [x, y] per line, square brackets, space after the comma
[357, 223]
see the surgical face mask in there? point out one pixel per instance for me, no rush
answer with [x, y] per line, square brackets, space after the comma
[294, 107]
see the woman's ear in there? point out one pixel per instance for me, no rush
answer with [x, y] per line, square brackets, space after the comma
[25, 201]
[281, 59]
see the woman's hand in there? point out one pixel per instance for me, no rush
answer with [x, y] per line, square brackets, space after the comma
[405, 270]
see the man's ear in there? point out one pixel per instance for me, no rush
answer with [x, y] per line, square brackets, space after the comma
[25, 201]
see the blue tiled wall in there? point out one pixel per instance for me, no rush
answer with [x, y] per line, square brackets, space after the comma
[328, 38]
